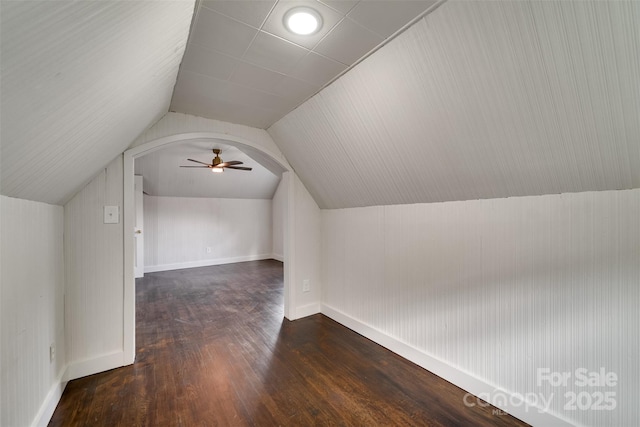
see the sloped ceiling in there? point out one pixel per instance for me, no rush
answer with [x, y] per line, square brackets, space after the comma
[163, 175]
[479, 100]
[243, 66]
[80, 80]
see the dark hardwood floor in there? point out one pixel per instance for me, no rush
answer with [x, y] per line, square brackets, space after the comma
[213, 350]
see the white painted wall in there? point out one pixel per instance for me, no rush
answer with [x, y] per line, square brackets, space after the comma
[94, 272]
[180, 229]
[176, 123]
[32, 310]
[305, 251]
[483, 293]
[278, 206]
[97, 336]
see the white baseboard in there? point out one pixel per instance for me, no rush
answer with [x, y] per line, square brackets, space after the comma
[205, 263]
[462, 379]
[307, 310]
[278, 257]
[93, 366]
[50, 403]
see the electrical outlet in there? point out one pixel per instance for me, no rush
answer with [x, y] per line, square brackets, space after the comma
[52, 352]
[208, 249]
[306, 285]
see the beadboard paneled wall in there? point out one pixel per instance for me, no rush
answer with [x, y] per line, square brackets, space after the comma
[498, 288]
[305, 251]
[178, 231]
[32, 310]
[80, 80]
[94, 271]
[278, 206]
[479, 100]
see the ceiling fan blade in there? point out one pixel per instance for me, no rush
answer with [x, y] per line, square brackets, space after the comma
[208, 167]
[198, 161]
[240, 168]
[227, 164]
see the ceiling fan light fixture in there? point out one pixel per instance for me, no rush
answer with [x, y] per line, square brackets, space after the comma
[217, 165]
[303, 21]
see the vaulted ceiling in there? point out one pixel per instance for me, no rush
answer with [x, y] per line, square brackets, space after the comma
[480, 99]
[475, 100]
[243, 66]
[80, 80]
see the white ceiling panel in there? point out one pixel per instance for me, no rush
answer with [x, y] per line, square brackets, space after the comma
[317, 69]
[80, 80]
[228, 101]
[228, 35]
[274, 53]
[479, 100]
[163, 175]
[347, 42]
[225, 111]
[386, 17]
[248, 11]
[225, 90]
[294, 87]
[209, 62]
[342, 6]
[221, 33]
[256, 77]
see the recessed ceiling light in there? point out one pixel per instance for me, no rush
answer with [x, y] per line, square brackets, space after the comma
[303, 21]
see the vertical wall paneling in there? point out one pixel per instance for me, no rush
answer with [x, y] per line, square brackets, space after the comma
[306, 250]
[80, 81]
[278, 205]
[94, 272]
[32, 311]
[180, 230]
[479, 100]
[288, 245]
[489, 291]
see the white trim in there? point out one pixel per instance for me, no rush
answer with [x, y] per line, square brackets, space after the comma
[97, 364]
[308, 310]
[50, 403]
[277, 257]
[456, 376]
[236, 141]
[204, 263]
[289, 247]
[129, 312]
[128, 239]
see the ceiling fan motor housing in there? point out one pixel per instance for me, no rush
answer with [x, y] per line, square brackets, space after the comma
[216, 160]
[217, 165]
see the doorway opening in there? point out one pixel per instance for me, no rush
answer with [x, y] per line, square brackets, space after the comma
[266, 160]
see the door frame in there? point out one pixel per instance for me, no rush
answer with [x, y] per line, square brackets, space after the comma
[139, 231]
[129, 157]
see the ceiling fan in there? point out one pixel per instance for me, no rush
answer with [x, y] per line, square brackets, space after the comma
[217, 165]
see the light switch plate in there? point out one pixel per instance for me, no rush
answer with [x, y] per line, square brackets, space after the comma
[111, 214]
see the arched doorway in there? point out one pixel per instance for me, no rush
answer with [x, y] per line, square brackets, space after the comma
[269, 160]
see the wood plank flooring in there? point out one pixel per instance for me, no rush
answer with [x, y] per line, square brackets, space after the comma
[213, 350]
